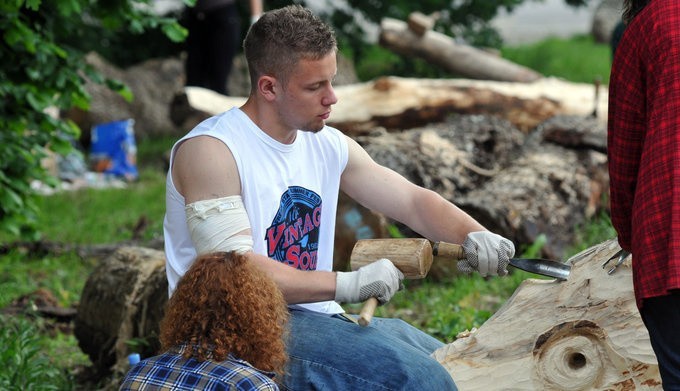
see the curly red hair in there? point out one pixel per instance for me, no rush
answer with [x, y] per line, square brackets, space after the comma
[224, 304]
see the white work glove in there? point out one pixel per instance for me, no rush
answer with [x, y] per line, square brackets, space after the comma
[487, 253]
[380, 279]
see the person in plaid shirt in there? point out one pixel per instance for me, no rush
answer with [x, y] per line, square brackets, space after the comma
[644, 168]
[223, 329]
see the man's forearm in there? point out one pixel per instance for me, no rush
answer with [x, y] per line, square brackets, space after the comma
[297, 286]
[439, 220]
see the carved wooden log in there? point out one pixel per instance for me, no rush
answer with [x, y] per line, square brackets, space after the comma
[581, 334]
[122, 302]
[442, 50]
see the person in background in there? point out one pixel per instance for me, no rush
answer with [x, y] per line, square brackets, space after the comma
[644, 168]
[223, 329]
[214, 36]
[264, 179]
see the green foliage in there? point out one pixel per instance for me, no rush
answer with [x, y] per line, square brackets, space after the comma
[578, 59]
[596, 230]
[22, 364]
[41, 72]
[534, 249]
[468, 20]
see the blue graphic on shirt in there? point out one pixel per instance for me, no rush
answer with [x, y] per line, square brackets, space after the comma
[293, 237]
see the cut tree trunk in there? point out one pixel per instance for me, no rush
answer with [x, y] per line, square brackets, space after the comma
[445, 52]
[547, 191]
[120, 308]
[396, 103]
[581, 334]
[516, 185]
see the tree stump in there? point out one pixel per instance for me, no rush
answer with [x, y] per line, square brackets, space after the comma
[581, 334]
[121, 306]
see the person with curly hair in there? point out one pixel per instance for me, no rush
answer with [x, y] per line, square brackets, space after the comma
[223, 328]
[264, 179]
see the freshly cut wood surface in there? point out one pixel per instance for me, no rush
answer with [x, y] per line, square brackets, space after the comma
[581, 334]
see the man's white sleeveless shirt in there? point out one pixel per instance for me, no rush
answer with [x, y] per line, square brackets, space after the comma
[290, 192]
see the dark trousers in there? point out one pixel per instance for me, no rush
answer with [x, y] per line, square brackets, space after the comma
[213, 41]
[661, 316]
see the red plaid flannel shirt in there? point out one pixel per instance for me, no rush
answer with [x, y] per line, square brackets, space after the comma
[644, 147]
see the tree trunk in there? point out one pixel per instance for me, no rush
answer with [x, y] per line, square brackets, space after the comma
[396, 103]
[120, 308]
[581, 334]
[516, 185]
[444, 52]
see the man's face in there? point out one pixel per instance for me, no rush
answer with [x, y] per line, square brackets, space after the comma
[306, 100]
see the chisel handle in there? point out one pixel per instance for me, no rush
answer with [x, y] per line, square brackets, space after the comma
[448, 250]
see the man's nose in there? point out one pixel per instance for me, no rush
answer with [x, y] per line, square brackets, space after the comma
[330, 98]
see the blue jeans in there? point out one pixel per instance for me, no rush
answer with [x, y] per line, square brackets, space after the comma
[334, 353]
[661, 316]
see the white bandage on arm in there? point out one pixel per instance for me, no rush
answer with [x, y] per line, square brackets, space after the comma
[218, 225]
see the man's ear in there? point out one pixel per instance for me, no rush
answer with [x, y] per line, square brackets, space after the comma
[268, 87]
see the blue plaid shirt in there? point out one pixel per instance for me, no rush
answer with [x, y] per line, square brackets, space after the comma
[171, 371]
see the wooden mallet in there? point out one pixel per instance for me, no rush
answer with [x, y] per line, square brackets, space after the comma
[413, 257]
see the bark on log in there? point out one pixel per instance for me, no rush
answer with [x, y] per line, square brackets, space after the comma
[442, 50]
[581, 334]
[546, 191]
[123, 301]
[519, 186]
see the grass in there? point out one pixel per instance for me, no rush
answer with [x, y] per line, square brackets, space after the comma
[39, 354]
[92, 216]
[579, 58]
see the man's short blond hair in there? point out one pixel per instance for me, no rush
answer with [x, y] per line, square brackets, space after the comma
[282, 37]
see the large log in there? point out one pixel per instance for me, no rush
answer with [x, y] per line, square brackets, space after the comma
[442, 50]
[546, 191]
[581, 334]
[398, 103]
[517, 185]
[120, 308]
